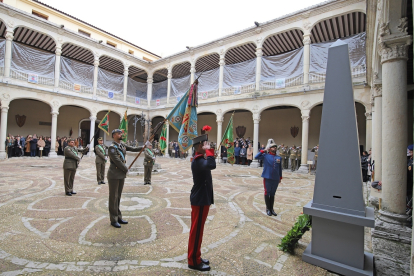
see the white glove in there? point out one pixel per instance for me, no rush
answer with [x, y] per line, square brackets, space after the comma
[106, 157]
[153, 158]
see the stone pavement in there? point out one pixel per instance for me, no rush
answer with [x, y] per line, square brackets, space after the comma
[44, 232]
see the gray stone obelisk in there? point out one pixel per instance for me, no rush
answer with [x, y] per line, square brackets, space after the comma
[338, 211]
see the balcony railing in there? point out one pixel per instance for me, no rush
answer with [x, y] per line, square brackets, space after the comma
[247, 88]
[205, 95]
[75, 87]
[132, 99]
[358, 73]
[25, 77]
[288, 82]
[105, 94]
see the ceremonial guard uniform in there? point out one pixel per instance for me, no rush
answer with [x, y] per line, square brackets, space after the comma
[116, 178]
[149, 161]
[293, 151]
[201, 198]
[72, 159]
[101, 157]
[272, 174]
[298, 157]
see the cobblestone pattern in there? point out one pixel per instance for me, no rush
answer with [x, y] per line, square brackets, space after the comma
[44, 232]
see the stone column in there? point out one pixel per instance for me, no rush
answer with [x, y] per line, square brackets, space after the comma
[259, 54]
[168, 139]
[149, 89]
[169, 76]
[3, 129]
[368, 134]
[394, 124]
[256, 120]
[8, 54]
[219, 121]
[58, 53]
[221, 75]
[192, 72]
[53, 131]
[126, 73]
[305, 141]
[95, 76]
[306, 58]
[377, 132]
[92, 133]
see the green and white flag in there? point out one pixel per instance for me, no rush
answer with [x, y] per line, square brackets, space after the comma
[124, 127]
[163, 139]
[227, 141]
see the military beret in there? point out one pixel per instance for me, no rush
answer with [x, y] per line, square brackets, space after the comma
[116, 131]
[71, 139]
[200, 139]
[100, 139]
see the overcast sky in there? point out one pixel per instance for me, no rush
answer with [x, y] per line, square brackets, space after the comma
[166, 27]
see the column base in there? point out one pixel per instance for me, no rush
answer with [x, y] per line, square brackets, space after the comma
[3, 155]
[304, 168]
[52, 154]
[254, 164]
[166, 155]
[391, 242]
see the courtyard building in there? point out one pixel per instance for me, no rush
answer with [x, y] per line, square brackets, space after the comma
[59, 76]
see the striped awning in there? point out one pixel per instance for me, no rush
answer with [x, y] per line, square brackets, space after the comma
[77, 53]
[160, 75]
[35, 39]
[338, 27]
[2, 29]
[283, 42]
[137, 74]
[111, 64]
[207, 63]
[181, 70]
[240, 54]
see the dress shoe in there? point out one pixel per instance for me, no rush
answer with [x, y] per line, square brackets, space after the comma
[205, 261]
[73, 193]
[145, 183]
[103, 182]
[121, 221]
[116, 224]
[271, 203]
[99, 183]
[268, 213]
[69, 194]
[200, 267]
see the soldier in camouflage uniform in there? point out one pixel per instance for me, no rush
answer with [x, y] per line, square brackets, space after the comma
[293, 152]
[116, 176]
[149, 161]
[298, 157]
[282, 154]
[100, 161]
[72, 159]
[286, 159]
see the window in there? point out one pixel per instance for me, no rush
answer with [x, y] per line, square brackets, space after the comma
[147, 59]
[111, 44]
[39, 14]
[84, 33]
[131, 52]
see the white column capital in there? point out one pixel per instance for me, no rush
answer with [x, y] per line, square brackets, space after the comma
[192, 70]
[219, 120]
[368, 115]
[150, 80]
[92, 118]
[58, 50]
[126, 72]
[9, 34]
[222, 60]
[54, 113]
[96, 62]
[259, 52]
[306, 39]
[377, 90]
[4, 108]
[393, 47]
[169, 75]
[305, 118]
[305, 113]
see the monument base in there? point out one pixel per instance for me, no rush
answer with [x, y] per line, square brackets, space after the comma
[339, 267]
[3, 155]
[391, 242]
[304, 169]
[52, 154]
[254, 164]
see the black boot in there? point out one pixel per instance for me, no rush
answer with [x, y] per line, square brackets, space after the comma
[271, 203]
[267, 205]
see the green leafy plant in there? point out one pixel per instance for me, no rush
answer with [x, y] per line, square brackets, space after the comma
[289, 242]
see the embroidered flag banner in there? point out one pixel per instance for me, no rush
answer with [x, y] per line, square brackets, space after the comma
[227, 141]
[163, 139]
[104, 124]
[124, 127]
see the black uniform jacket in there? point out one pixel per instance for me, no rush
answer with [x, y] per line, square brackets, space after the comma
[202, 191]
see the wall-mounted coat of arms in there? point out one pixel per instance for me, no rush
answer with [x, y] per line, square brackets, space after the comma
[294, 131]
[20, 120]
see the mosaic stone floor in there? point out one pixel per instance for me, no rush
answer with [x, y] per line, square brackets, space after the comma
[44, 232]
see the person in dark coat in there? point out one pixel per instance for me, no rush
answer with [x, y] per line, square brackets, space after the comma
[243, 154]
[364, 166]
[237, 153]
[33, 146]
[272, 174]
[201, 198]
[48, 144]
[18, 149]
[177, 150]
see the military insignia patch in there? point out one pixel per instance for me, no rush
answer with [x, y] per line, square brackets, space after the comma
[112, 150]
[277, 160]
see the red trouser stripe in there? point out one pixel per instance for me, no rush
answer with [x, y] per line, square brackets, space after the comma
[264, 185]
[198, 219]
